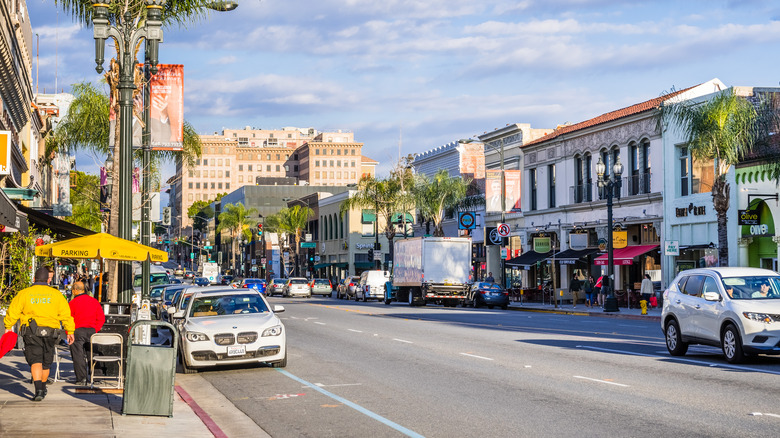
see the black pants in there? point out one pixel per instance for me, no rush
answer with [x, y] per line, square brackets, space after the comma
[78, 350]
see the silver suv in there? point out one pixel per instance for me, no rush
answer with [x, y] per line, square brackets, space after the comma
[736, 309]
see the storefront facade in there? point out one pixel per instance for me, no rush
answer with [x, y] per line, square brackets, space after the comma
[756, 218]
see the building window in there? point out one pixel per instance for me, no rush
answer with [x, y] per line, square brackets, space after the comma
[331, 174]
[205, 162]
[268, 168]
[191, 173]
[227, 161]
[353, 152]
[317, 174]
[219, 186]
[278, 157]
[189, 197]
[338, 151]
[213, 186]
[278, 168]
[227, 186]
[338, 174]
[240, 178]
[219, 174]
[317, 163]
[696, 176]
[227, 174]
[338, 163]
[295, 168]
[316, 152]
[532, 185]
[331, 163]
[190, 185]
[353, 164]
[219, 162]
[551, 185]
[240, 167]
[213, 174]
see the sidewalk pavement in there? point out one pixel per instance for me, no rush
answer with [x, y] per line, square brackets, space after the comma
[199, 410]
[582, 310]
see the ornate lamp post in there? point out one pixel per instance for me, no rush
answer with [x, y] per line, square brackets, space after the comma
[612, 185]
[127, 36]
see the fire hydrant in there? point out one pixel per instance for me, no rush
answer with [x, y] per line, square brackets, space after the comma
[643, 305]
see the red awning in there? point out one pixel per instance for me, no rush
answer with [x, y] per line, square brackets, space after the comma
[624, 256]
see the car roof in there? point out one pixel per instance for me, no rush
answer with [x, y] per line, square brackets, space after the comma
[733, 271]
[298, 278]
[224, 291]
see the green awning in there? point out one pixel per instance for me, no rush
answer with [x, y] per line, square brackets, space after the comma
[340, 265]
[364, 265]
[321, 265]
[398, 218]
[368, 217]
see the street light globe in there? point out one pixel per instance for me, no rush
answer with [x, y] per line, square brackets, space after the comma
[617, 168]
[600, 168]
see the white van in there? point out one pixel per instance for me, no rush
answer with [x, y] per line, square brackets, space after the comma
[372, 285]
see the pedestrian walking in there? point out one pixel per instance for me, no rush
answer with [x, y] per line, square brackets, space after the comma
[41, 310]
[490, 278]
[588, 288]
[575, 288]
[647, 288]
[598, 286]
[89, 319]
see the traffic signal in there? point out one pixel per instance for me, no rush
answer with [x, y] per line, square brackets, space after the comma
[166, 219]
[371, 254]
[259, 229]
[311, 256]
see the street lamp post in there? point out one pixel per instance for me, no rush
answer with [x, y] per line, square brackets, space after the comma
[127, 36]
[261, 225]
[612, 185]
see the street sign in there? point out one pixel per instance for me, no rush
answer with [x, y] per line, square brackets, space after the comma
[467, 220]
[308, 244]
[254, 268]
[316, 258]
[308, 237]
[263, 260]
[503, 230]
[208, 247]
[378, 255]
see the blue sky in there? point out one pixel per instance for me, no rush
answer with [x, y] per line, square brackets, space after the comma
[435, 71]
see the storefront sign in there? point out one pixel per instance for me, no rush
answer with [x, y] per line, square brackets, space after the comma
[5, 152]
[747, 217]
[672, 247]
[578, 241]
[759, 230]
[691, 210]
[619, 239]
[542, 244]
[602, 245]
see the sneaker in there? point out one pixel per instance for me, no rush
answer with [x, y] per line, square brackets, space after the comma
[39, 395]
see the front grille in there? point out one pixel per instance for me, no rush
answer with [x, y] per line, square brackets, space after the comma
[262, 352]
[225, 339]
[246, 337]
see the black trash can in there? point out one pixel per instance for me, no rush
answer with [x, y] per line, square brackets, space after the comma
[150, 373]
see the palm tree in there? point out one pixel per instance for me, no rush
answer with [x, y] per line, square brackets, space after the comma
[441, 194]
[236, 220]
[290, 222]
[385, 196]
[722, 129]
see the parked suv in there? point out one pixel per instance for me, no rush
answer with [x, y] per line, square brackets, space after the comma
[730, 308]
[372, 285]
[347, 287]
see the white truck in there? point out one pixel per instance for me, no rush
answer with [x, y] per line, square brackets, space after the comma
[431, 269]
[211, 272]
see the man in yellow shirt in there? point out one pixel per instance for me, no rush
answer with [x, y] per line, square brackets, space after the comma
[41, 309]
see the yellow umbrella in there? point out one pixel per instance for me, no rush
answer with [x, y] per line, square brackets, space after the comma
[101, 246]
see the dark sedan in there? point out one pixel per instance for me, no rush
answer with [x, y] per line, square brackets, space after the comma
[201, 281]
[487, 294]
[253, 283]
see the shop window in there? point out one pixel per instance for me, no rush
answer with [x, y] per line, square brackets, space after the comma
[696, 176]
[551, 185]
[532, 185]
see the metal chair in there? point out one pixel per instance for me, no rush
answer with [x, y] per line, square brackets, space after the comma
[106, 339]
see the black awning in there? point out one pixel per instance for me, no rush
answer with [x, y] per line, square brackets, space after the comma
[59, 227]
[528, 259]
[570, 256]
[10, 216]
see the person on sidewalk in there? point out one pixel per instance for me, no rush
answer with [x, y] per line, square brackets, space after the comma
[41, 310]
[647, 288]
[89, 319]
[574, 288]
[490, 278]
[600, 292]
[587, 286]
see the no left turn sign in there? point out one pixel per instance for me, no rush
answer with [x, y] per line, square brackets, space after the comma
[503, 230]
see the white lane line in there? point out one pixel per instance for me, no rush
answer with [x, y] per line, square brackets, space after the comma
[320, 323]
[322, 385]
[475, 356]
[758, 414]
[356, 331]
[404, 341]
[601, 381]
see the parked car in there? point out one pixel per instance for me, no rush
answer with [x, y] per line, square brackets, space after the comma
[257, 284]
[736, 309]
[230, 326]
[161, 297]
[483, 293]
[277, 286]
[297, 286]
[155, 279]
[189, 275]
[348, 287]
[201, 281]
[321, 286]
[225, 279]
[372, 285]
[179, 272]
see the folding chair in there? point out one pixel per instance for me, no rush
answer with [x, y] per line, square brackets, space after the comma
[106, 339]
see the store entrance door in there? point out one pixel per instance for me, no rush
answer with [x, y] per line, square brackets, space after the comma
[769, 263]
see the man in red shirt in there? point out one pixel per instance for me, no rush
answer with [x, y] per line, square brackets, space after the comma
[89, 318]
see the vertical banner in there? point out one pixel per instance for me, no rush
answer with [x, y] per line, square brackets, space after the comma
[472, 163]
[167, 107]
[492, 191]
[512, 179]
[61, 186]
[5, 152]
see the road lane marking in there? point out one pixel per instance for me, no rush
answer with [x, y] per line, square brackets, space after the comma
[322, 385]
[759, 414]
[475, 356]
[354, 406]
[601, 381]
[320, 323]
[356, 331]
[404, 341]
[680, 359]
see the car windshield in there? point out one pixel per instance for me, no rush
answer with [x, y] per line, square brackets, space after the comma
[752, 288]
[253, 281]
[156, 293]
[278, 281]
[321, 281]
[298, 281]
[169, 293]
[492, 286]
[221, 305]
[160, 278]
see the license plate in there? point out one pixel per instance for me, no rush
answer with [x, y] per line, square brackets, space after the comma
[236, 350]
[492, 294]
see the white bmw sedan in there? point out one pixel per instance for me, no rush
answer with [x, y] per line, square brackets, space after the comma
[222, 326]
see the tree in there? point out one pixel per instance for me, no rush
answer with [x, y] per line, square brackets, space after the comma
[722, 129]
[85, 198]
[236, 219]
[441, 194]
[290, 222]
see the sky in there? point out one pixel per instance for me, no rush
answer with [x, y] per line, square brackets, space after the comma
[411, 75]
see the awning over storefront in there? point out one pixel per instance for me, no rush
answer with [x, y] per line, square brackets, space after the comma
[321, 265]
[11, 218]
[364, 265]
[398, 218]
[624, 256]
[572, 256]
[62, 229]
[528, 259]
[340, 265]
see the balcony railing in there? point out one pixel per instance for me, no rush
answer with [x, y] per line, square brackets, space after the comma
[582, 193]
[630, 186]
[637, 184]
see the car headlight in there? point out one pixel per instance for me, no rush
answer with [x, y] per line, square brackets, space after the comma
[273, 331]
[761, 317]
[196, 337]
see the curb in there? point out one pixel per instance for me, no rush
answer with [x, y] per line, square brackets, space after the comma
[204, 417]
[594, 314]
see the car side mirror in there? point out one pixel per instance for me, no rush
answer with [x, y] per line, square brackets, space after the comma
[171, 310]
[712, 296]
[278, 308]
[179, 314]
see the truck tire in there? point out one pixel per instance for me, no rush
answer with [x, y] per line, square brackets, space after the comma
[387, 301]
[411, 297]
